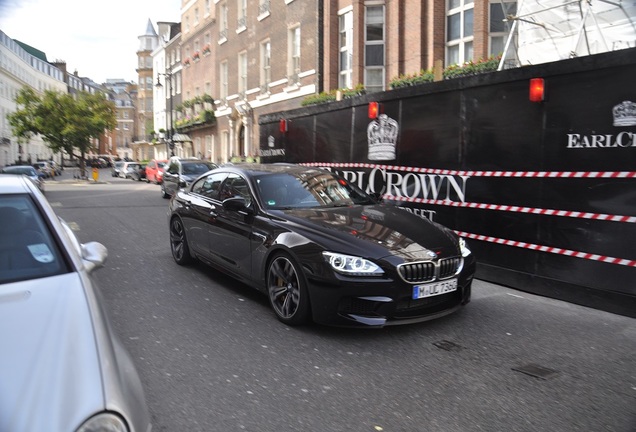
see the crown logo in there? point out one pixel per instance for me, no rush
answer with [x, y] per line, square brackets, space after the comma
[382, 136]
[625, 114]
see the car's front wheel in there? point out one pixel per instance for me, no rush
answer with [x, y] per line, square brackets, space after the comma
[179, 243]
[287, 290]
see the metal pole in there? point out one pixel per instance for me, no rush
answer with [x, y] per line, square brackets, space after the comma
[169, 77]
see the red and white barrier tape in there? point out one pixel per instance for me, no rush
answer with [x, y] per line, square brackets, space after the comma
[554, 250]
[517, 209]
[518, 174]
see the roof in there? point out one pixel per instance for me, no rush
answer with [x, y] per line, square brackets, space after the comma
[33, 51]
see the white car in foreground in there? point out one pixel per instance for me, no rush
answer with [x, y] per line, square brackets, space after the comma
[62, 368]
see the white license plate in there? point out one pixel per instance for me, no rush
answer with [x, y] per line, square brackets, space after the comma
[434, 289]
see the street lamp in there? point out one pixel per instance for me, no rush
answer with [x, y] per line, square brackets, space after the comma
[170, 132]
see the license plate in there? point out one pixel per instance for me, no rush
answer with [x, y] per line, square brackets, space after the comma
[434, 289]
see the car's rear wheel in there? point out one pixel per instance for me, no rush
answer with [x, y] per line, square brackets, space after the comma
[287, 290]
[179, 242]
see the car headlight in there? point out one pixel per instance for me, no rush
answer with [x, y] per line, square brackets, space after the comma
[463, 247]
[352, 265]
[104, 422]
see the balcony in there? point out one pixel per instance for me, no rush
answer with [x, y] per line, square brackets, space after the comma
[204, 119]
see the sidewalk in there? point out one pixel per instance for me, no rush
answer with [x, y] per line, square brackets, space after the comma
[73, 175]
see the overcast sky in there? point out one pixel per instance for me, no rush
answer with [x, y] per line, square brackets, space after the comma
[98, 39]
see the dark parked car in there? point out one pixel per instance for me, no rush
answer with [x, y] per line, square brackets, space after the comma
[137, 173]
[62, 367]
[180, 172]
[319, 247]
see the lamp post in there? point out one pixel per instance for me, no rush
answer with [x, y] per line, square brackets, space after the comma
[170, 131]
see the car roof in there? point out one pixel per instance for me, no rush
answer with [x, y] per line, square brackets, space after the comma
[15, 184]
[274, 168]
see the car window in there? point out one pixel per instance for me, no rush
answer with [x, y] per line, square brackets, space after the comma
[234, 186]
[27, 248]
[209, 185]
[190, 168]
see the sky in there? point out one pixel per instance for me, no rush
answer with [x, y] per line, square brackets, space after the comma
[98, 39]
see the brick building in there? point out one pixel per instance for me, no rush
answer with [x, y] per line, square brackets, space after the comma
[260, 56]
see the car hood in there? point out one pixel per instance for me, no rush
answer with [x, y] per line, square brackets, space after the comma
[375, 231]
[50, 375]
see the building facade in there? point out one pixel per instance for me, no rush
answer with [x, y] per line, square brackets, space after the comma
[20, 66]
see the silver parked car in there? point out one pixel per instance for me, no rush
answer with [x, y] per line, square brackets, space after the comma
[62, 368]
[28, 171]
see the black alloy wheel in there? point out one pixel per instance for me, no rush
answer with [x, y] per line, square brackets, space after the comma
[287, 290]
[179, 243]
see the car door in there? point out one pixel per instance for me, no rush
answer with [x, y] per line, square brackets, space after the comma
[171, 177]
[200, 210]
[230, 231]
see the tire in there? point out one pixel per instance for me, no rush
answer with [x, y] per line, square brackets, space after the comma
[164, 194]
[287, 290]
[179, 242]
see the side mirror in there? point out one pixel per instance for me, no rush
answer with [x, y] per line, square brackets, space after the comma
[236, 203]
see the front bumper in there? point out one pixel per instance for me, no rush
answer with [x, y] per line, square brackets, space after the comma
[383, 302]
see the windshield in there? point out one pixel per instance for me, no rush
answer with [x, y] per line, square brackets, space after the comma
[308, 189]
[30, 171]
[27, 248]
[197, 168]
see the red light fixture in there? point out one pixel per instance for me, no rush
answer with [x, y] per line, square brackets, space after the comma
[282, 125]
[375, 109]
[537, 90]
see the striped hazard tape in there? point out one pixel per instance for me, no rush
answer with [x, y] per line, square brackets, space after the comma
[540, 211]
[549, 249]
[519, 174]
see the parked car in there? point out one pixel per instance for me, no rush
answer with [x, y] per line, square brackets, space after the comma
[57, 168]
[127, 168]
[62, 368]
[181, 172]
[319, 247]
[43, 168]
[116, 169]
[26, 170]
[138, 173]
[154, 170]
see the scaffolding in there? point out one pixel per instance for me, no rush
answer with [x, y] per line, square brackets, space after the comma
[551, 30]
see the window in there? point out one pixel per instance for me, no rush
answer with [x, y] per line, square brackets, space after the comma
[242, 15]
[459, 32]
[223, 76]
[499, 30]
[345, 42]
[208, 7]
[242, 72]
[294, 55]
[374, 48]
[223, 23]
[263, 7]
[196, 16]
[266, 57]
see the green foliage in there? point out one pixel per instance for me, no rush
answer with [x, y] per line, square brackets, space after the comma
[454, 71]
[332, 95]
[66, 122]
[204, 117]
[423, 76]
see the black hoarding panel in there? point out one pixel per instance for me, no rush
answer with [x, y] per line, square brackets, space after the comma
[544, 192]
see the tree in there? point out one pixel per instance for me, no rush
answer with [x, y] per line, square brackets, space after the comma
[66, 122]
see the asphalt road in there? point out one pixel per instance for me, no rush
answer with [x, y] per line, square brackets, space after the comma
[213, 357]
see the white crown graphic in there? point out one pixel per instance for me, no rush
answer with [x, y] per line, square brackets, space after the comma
[625, 114]
[382, 135]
